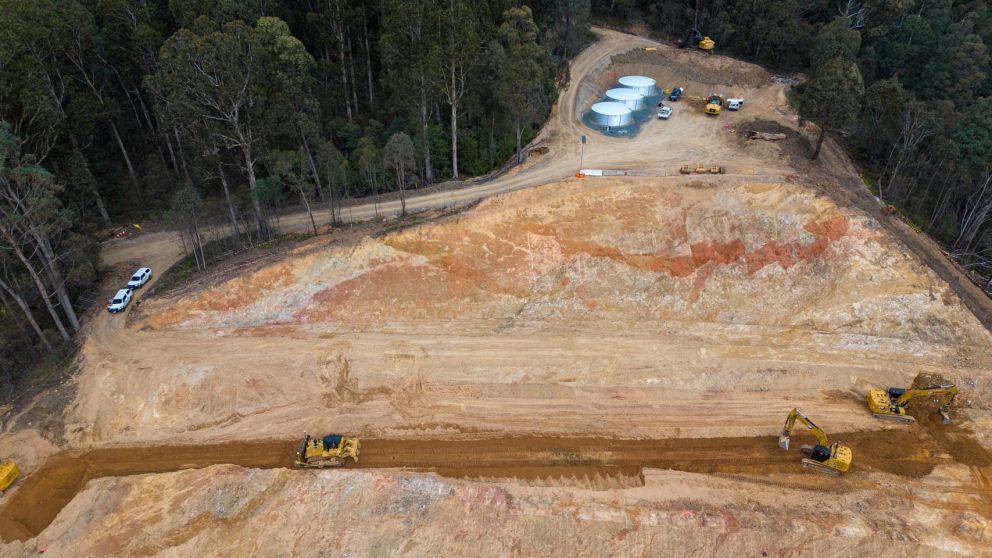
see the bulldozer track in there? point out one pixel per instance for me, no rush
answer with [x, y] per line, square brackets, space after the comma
[41, 496]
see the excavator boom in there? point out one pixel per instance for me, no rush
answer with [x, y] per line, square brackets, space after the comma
[891, 404]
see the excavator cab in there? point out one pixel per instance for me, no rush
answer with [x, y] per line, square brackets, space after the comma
[824, 457]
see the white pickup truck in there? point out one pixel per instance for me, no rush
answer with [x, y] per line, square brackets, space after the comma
[735, 104]
[120, 301]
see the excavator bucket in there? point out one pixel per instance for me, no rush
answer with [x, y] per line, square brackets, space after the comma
[945, 417]
[783, 440]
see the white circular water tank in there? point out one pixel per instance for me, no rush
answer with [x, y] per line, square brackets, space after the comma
[630, 97]
[611, 114]
[642, 84]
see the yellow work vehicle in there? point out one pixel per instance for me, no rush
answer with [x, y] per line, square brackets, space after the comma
[695, 39]
[8, 474]
[327, 451]
[714, 105]
[890, 404]
[824, 456]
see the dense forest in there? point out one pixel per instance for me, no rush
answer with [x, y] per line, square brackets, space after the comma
[188, 112]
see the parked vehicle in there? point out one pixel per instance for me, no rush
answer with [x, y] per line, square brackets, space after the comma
[139, 278]
[735, 104]
[675, 94]
[665, 113]
[120, 301]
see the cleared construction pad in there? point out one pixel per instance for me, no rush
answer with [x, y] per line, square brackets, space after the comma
[612, 358]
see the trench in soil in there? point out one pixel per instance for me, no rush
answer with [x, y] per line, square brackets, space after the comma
[43, 494]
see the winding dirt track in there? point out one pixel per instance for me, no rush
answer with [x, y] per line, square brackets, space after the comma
[44, 494]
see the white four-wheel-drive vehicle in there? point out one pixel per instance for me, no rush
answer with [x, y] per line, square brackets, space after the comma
[120, 301]
[665, 113]
[735, 104]
[139, 278]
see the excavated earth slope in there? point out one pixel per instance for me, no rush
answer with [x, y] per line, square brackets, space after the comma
[635, 251]
[694, 309]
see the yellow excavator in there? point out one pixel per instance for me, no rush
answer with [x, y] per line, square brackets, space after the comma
[714, 104]
[695, 39]
[8, 474]
[326, 451]
[890, 404]
[824, 456]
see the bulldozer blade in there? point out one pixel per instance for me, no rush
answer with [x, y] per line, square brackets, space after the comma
[904, 419]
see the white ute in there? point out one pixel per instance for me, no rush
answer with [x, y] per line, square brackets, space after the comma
[139, 278]
[735, 104]
[120, 301]
[665, 113]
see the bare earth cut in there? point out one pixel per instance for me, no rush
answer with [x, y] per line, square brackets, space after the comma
[581, 367]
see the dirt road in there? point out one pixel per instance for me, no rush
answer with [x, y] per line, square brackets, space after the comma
[37, 503]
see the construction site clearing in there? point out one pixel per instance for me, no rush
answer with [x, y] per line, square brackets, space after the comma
[570, 367]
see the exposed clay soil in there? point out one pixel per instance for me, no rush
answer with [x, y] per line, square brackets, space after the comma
[603, 364]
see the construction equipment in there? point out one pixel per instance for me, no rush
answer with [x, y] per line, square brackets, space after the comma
[8, 474]
[702, 168]
[686, 168]
[328, 451]
[714, 104]
[824, 456]
[891, 404]
[717, 169]
[695, 39]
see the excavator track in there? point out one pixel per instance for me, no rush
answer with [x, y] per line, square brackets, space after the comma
[903, 419]
[816, 466]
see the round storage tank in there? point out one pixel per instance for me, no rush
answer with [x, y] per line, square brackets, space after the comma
[641, 84]
[630, 97]
[611, 114]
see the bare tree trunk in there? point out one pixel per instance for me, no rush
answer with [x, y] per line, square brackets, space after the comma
[199, 244]
[519, 131]
[4, 287]
[453, 99]
[42, 290]
[351, 64]
[104, 216]
[819, 144]
[306, 204]
[182, 157]
[263, 227]
[55, 275]
[172, 153]
[227, 196]
[428, 167]
[977, 212]
[313, 165]
[339, 33]
[127, 160]
[368, 55]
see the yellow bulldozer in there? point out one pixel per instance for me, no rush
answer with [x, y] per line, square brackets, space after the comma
[824, 457]
[326, 451]
[714, 105]
[8, 474]
[890, 404]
